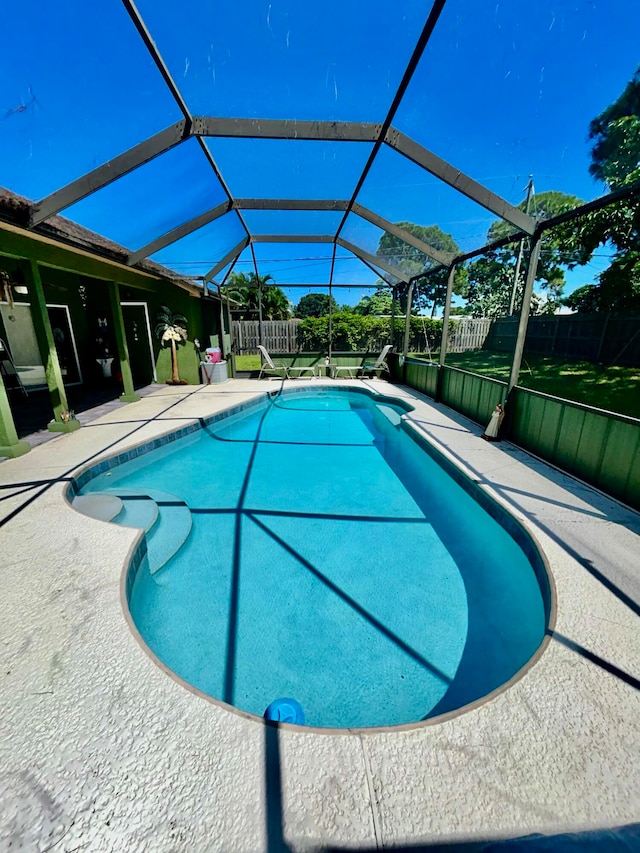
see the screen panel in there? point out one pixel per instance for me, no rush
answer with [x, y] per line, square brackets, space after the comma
[223, 276]
[243, 266]
[292, 221]
[200, 251]
[67, 105]
[287, 60]
[349, 269]
[297, 263]
[162, 194]
[362, 233]
[503, 95]
[401, 191]
[277, 168]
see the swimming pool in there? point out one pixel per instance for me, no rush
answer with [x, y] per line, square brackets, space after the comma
[313, 547]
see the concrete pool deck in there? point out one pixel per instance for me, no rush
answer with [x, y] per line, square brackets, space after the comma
[101, 750]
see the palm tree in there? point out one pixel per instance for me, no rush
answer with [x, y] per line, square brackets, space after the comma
[243, 289]
[171, 329]
[275, 303]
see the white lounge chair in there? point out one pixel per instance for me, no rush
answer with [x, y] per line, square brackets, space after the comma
[379, 364]
[299, 371]
[351, 369]
[279, 369]
[369, 365]
[271, 367]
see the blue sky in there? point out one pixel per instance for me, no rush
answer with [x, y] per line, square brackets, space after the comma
[504, 90]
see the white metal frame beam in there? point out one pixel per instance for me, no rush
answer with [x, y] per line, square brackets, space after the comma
[406, 236]
[292, 238]
[230, 256]
[109, 172]
[210, 126]
[289, 204]
[373, 259]
[283, 129]
[154, 53]
[178, 233]
[459, 181]
[261, 128]
[264, 204]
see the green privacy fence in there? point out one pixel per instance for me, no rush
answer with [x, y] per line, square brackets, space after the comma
[472, 395]
[606, 338]
[422, 376]
[599, 447]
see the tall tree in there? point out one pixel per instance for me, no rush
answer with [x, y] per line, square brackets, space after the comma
[492, 276]
[615, 160]
[413, 262]
[378, 304]
[489, 289]
[615, 133]
[561, 247]
[315, 305]
[585, 299]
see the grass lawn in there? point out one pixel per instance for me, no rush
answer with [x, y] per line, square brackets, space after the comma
[614, 388]
[248, 362]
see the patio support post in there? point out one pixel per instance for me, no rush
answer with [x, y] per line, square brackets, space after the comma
[129, 395]
[445, 330]
[516, 275]
[226, 303]
[447, 312]
[44, 335]
[407, 326]
[333, 263]
[10, 445]
[330, 329]
[259, 285]
[232, 355]
[260, 322]
[223, 349]
[532, 268]
[392, 337]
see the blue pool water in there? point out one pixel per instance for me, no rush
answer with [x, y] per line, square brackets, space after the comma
[311, 548]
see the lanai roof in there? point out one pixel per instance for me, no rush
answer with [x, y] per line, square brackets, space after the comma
[288, 137]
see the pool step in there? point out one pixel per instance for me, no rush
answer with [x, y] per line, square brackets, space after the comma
[165, 519]
[138, 509]
[104, 507]
[390, 414]
[171, 531]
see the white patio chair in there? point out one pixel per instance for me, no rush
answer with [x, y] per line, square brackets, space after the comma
[270, 367]
[300, 371]
[351, 369]
[379, 364]
[368, 365]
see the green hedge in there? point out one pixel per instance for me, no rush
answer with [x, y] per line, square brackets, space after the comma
[353, 332]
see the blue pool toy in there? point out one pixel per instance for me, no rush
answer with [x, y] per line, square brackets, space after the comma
[285, 711]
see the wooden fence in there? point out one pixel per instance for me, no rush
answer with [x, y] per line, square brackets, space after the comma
[468, 333]
[279, 335]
